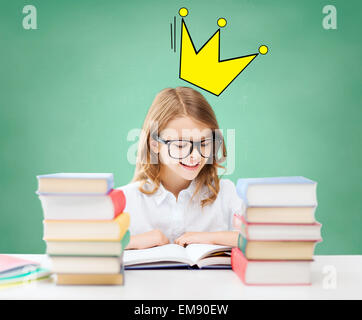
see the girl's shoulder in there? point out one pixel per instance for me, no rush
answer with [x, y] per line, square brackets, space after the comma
[130, 188]
[226, 185]
[227, 189]
[230, 197]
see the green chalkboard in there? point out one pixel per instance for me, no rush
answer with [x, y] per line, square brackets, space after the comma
[74, 90]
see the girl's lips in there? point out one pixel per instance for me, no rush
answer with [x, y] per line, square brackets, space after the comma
[188, 167]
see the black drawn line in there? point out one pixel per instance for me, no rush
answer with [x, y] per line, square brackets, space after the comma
[171, 37]
[174, 29]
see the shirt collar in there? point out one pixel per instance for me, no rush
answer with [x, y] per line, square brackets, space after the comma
[162, 193]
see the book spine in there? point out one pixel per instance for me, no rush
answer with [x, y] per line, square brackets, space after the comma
[246, 223]
[90, 279]
[110, 183]
[125, 239]
[237, 222]
[239, 263]
[241, 189]
[123, 222]
[244, 227]
[242, 243]
[119, 201]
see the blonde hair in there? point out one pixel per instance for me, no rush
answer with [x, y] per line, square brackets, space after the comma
[170, 104]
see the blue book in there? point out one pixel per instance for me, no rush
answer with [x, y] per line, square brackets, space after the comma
[75, 183]
[25, 276]
[277, 192]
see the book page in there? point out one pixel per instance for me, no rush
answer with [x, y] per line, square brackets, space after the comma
[167, 252]
[218, 260]
[198, 251]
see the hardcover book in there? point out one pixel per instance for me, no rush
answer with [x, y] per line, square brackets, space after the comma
[87, 248]
[86, 230]
[277, 192]
[83, 207]
[89, 279]
[86, 265]
[276, 250]
[270, 272]
[279, 232]
[75, 183]
[295, 215]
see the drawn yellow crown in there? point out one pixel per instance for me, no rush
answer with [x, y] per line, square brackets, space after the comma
[203, 68]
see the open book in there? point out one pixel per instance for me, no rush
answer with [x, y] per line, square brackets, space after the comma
[176, 256]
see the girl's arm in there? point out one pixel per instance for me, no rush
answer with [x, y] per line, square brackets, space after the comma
[147, 240]
[225, 238]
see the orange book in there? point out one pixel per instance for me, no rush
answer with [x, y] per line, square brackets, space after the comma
[86, 230]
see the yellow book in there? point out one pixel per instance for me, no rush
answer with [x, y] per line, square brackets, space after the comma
[21, 283]
[86, 230]
[90, 279]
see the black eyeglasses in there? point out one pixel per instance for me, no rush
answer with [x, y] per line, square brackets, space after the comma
[180, 148]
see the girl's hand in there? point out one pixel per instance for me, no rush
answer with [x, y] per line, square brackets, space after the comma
[148, 239]
[225, 238]
[194, 237]
[157, 237]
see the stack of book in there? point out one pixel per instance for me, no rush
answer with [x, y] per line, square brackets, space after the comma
[278, 231]
[85, 228]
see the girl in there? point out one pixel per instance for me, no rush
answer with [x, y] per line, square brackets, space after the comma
[176, 195]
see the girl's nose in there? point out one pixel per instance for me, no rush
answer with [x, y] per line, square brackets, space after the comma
[195, 155]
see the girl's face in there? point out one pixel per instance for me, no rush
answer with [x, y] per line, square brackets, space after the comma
[175, 155]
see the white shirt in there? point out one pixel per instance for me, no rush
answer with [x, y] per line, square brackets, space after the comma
[161, 210]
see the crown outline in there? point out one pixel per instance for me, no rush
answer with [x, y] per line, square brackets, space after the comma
[196, 52]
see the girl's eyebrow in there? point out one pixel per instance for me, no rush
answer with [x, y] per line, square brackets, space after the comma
[188, 138]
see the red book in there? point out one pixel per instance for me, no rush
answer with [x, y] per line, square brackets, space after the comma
[270, 272]
[83, 207]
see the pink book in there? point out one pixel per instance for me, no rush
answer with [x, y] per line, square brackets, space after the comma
[10, 263]
[270, 272]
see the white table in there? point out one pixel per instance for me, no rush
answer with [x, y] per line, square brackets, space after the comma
[333, 277]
